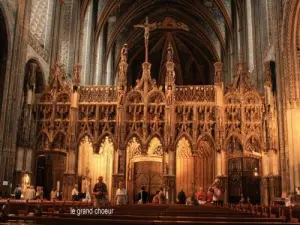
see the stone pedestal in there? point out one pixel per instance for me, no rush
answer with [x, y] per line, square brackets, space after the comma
[67, 186]
[170, 187]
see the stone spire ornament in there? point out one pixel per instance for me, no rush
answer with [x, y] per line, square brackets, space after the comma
[76, 75]
[122, 80]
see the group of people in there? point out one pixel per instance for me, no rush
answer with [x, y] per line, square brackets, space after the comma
[29, 193]
[214, 195]
[100, 193]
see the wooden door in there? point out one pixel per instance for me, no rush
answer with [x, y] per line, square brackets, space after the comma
[149, 174]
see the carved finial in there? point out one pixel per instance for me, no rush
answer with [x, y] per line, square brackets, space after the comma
[57, 77]
[76, 75]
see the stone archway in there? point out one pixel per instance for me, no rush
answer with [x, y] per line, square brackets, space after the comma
[194, 169]
[144, 167]
[3, 55]
[92, 164]
[184, 167]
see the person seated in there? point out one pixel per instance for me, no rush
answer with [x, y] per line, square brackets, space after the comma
[181, 196]
[200, 196]
[156, 198]
[209, 197]
[191, 200]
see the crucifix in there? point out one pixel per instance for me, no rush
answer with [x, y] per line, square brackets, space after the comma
[146, 26]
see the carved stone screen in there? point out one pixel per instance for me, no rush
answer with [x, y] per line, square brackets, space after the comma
[148, 174]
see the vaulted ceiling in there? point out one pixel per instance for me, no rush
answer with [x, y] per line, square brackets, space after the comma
[200, 32]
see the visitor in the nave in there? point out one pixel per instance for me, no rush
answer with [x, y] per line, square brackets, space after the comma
[18, 192]
[191, 200]
[162, 197]
[143, 196]
[217, 194]
[39, 193]
[53, 194]
[75, 193]
[181, 196]
[121, 195]
[156, 198]
[100, 192]
[200, 196]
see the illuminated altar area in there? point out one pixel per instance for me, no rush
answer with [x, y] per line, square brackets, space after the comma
[171, 136]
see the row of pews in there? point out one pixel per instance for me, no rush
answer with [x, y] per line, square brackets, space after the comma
[76, 213]
[289, 214]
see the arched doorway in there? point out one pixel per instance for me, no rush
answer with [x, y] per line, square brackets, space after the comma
[3, 55]
[184, 167]
[194, 170]
[92, 164]
[144, 167]
[244, 179]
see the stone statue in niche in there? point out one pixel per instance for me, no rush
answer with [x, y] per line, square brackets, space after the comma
[169, 95]
[121, 95]
[124, 52]
[76, 77]
[170, 53]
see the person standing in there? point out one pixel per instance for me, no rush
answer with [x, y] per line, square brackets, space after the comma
[162, 197]
[75, 193]
[53, 194]
[217, 195]
[156, 198]
[181, 196]
[143, 196]
[100, 192]
[18, 192]
[121, 195]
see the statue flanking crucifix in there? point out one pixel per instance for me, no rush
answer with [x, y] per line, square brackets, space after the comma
[147, 27]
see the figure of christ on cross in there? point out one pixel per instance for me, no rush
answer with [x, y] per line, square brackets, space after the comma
[147, 27]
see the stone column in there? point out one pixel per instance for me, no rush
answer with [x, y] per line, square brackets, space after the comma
[218, 164]
[265, 174]
[172, 163]
[224, 163]
[69, 177]
[100, 58]
[170, 178]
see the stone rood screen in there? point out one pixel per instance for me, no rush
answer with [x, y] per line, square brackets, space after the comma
[205, 123]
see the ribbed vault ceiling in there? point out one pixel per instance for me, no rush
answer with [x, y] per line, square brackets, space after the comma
[206, 40]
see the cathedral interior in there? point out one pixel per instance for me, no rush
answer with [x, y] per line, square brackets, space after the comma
[161, 93]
